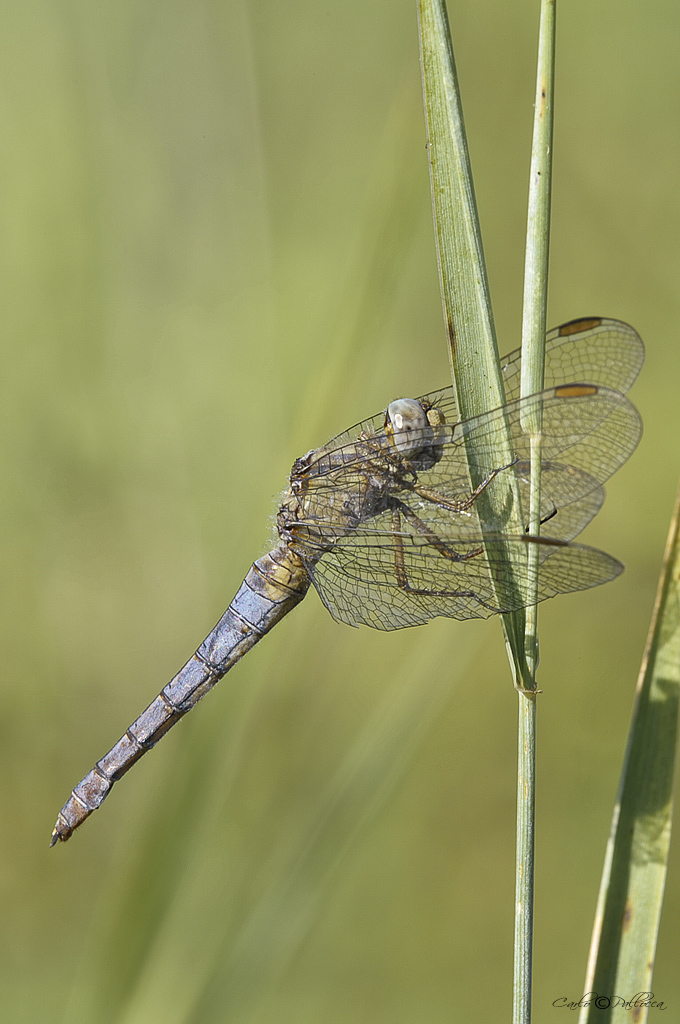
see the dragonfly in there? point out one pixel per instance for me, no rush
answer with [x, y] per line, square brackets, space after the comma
[384, 522]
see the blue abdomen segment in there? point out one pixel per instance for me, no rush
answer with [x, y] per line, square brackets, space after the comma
[274, 585]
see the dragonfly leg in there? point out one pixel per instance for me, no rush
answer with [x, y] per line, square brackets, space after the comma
[545, 519]
[463, 504]
[432, 538]
[399, 508]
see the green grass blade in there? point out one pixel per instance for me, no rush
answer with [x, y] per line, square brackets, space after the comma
[533, 359]
[473, 351]
[623, 945]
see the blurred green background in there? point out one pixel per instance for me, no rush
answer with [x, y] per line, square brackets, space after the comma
[217, 252]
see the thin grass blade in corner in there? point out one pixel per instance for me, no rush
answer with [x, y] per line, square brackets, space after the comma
[623, 945]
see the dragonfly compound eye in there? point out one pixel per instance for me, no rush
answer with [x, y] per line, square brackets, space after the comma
[407, 426]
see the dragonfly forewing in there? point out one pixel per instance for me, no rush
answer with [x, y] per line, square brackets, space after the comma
[595, 349]
[598, 350]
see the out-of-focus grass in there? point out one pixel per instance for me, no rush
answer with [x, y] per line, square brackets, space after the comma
[216, 252]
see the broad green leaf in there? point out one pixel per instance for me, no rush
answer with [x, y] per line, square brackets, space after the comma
[621, 961]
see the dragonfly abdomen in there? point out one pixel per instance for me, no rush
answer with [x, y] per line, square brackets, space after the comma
[273, 586]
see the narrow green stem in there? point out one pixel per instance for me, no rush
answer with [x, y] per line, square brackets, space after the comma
[533, 354]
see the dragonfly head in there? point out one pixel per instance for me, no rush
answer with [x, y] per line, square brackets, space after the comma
[407, 427]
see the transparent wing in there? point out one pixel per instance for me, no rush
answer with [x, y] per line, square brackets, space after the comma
[594, 350]
[428, 549]
[588, 432]
[390, 579]
[570, 498]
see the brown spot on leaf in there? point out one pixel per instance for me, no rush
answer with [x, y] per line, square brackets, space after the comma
[627, 916]
[452, 333]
